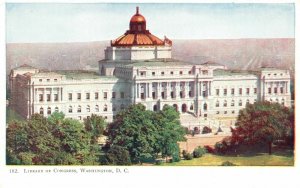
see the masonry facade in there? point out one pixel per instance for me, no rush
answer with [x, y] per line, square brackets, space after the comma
[138, 68]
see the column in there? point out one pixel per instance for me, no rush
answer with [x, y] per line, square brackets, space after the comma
[150, 90]
[138, 91]
[61, 94]
[210, 88]
[44, 95]
[158, 90]
[288, 87]
[51, 95]
[200, 88]
[186, 88]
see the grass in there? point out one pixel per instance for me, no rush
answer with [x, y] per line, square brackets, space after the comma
[258, 160]
[12, 115]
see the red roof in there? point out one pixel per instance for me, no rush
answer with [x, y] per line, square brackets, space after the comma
[138, 34]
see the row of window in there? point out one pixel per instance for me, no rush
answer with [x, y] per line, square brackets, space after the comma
[96, 108]
[48, 80]
[162, 73]
[48, 97]
[232, 91]
[275, 90]
[56, 109]
[225, 112]
[96, 95]
[232, 103]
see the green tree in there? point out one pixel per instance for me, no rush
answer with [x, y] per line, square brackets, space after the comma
[118, 155]
[95, 125]
[263, 122]
[134, 130]
[170, 131]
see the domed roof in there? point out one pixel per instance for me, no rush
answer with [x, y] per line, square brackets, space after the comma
[137, 17]
[138, 35]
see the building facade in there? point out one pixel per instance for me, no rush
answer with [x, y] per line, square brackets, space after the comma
[138, 68]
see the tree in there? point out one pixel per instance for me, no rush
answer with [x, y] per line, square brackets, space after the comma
[95, 125]
[170, 131]
[134, 130]
[263, 122]
[52, 141]
[118, 155]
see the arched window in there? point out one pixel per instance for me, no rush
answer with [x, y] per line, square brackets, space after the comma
[217, 104]
[155, 107]
[79, 109]
[56, 109]
[225, 103]
[240, 103]
[204, 106]
[88, 108]
[232, 103]
[48, 110]
[282, 102]
[192, 107]
[277, 100]
[42, 111]
[70, 109]
[105, 108]
[96, 108]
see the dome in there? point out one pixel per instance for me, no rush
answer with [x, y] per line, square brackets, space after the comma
[137, 17]
[138, 35]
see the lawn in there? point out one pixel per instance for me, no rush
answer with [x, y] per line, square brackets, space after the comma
[257, 160]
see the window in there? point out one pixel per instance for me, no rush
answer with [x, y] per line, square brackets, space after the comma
[113, 94]
[162, 95]
[225, 112]
[190, 94]
[162, 73]
[48, 80]
[269, 90]
[171, 72]
[282, 101]
[190, 72]
[275, 90]
[225, 92]
[105, 108]
[240, 103]
[48, 110]
[87, 96]
[114, 108]
[79, 109]
[255, 90]
[225, 103]
[97, 108]
[232, 103]
[96, 96]
[55, 97]
[88, 109]
[48, 97]
[217, 92]
[191, 107]
[70, 109]
[41, 97]
[217, 104]
[78, 96]
[205, 72]
[180, 72]
[247, 102]
[142, 95]
[204, 106]
[155, 108]
[105, 95]
[41, 111]
[55, 80]
[153, 73]
[122, 106]
[232, 111]
[40, 80]
[122, 95]
[172, 95]
[56, 109]
[241, 91]
[70, 96]
[143, 73]
[153, 95]
[281, 89]
[181, 94]
[232, 91]
[248, 91]
[218, 112]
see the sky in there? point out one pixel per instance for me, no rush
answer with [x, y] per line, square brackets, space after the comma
[49, 22]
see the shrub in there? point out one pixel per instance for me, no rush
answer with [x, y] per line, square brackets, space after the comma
[228, 163]
[188, 156]
[184, 153]
[209, 149]
[206, 130]
[198, 152]
[221, 147]
[158, 162]
[118, 155]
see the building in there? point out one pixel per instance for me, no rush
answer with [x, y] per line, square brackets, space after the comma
[138, 68]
